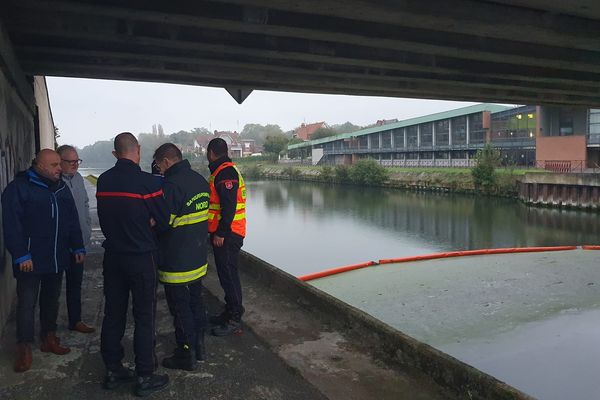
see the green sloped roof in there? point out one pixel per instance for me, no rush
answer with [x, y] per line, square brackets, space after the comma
[493, 108]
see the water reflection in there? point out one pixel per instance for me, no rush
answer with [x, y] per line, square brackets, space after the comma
[314, 226]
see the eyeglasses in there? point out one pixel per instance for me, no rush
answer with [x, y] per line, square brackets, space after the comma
[72, 162]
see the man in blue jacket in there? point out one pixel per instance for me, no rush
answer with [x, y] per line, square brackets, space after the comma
[42, 233]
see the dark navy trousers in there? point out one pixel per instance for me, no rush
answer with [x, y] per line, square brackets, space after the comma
[189, 313]
[30, 288]
[226, 260]
[126, 273]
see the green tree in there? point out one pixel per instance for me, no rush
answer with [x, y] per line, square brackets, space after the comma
[259, 132]
[484, 172]
[275, 144]
[346, 127]
[368, 172]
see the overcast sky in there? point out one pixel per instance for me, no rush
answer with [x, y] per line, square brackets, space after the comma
[88, 110]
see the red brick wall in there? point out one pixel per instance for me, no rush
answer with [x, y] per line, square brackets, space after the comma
[561, 148]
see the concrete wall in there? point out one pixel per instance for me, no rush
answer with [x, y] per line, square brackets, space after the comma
[17, 147]
[46, 123]
[561, 148]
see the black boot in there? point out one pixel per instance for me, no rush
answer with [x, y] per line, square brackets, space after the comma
[146, 385]
[231, 327]
[182, 358]
[200, 346]
[117, 376]
[220, 319]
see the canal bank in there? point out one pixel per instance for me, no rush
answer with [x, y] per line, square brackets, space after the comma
[452, 180]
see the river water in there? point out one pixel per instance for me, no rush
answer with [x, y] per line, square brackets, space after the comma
[306, 227]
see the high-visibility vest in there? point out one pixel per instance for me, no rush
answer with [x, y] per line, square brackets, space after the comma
[238, 225]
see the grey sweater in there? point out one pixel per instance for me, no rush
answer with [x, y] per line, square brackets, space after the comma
[77, 186]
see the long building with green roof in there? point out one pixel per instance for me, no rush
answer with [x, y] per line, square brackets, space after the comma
[449, 138]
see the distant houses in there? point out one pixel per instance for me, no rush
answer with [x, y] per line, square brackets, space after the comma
[305, 131]
[238, 147]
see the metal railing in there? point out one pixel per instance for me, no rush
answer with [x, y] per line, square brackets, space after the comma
[562, 166]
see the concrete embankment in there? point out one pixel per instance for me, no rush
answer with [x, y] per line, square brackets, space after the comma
[561, 190]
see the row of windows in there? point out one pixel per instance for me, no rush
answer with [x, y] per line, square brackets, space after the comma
[409, 137]
[595, 121]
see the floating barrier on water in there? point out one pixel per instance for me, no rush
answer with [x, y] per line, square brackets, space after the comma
[434, 256]
[335, 271]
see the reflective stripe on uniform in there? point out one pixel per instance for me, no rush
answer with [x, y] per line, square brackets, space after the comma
[239, 206]
[182, 277]
[188, 219]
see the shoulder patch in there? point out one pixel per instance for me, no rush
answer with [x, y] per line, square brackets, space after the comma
[228, 185]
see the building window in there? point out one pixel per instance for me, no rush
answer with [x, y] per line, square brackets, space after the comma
[595, 121]
[412, 140]
[513, 124]
[386, 140]
[476, 131]
[363, 142]
[441, 155]
[374, 140]
[398, 138]
[386, 156]
[427, 135]
[426, 155]
[412, 156]
[442, 130]
[459, 130]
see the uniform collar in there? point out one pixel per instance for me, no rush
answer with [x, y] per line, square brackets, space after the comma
[126, 163]
[215, 164]
[180, 166]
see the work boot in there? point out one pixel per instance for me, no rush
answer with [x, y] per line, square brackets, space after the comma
[23, 358]
[220, 319]
[231, 327]
[51, 344]
[200, 346]
[182, 358]
[82, 328]
[115, 377]
[146, 385]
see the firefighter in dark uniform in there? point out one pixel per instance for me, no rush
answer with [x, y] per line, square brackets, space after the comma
[227, 226]
[183, 250]
[130, 203]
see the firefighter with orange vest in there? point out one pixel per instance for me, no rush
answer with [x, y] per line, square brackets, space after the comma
[227, 228]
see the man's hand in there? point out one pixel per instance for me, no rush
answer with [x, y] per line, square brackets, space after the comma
[26, 266]
[79, 258]
[152, 222]
[218, 241]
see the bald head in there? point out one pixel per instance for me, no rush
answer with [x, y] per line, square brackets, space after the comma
[47, 164]
[126, 146]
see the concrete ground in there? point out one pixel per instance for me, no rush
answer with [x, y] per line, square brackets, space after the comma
[530, 319]
[238, 367]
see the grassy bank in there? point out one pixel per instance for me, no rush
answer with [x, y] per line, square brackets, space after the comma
[458, 180]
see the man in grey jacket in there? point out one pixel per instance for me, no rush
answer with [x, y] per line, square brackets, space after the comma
[70, 164]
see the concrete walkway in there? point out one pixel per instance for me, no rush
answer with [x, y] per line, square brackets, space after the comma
[238, 367]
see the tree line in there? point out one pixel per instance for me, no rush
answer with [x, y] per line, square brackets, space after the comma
[270, 137]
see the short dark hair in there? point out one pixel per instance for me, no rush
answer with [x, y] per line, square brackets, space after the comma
[64, 148]
[218, 146]
[125, 143]
[168, 150]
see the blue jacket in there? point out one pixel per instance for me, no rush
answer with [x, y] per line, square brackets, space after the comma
[40, 223]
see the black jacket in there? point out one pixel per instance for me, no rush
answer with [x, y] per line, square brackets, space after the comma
[40, 223]
[127, 199]
[227, 195]
[183, 247]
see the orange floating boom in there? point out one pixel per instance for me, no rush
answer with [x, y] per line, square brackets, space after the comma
[334, 271]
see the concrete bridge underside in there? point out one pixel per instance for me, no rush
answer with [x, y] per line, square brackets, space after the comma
[513, 51]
